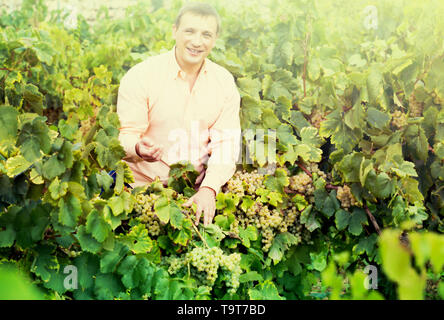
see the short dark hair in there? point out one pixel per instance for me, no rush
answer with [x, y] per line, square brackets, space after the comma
[200, 9]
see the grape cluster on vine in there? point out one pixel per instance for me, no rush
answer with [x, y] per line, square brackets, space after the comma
[415, 106]
[316, 118]
[244, 183]
[399, 119]
[205, 264]
[145, 208]
[346, 197]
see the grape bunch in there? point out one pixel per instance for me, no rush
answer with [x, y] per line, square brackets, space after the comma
[316, 118]
[346, 197]
[268, 221]
[301, 183]
[313, 167]
[244, 183]
[415, 106]
[145, 208]
[399, 119]
[205, 263]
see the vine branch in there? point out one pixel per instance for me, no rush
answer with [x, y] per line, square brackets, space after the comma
[372, 219]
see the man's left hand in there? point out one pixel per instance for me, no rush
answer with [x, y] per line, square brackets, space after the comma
[205, 200]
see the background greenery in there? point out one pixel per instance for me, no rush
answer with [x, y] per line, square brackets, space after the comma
[358, 123]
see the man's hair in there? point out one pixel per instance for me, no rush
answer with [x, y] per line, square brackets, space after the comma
[200, 9]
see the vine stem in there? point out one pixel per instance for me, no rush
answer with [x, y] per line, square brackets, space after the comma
[197, 230]
[300, 165]
[373, 220]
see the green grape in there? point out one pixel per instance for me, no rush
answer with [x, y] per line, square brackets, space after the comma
[346, 197]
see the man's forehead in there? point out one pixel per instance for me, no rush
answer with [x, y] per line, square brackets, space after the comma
[191, 19]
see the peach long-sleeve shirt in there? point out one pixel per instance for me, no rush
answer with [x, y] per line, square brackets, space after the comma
[201, 126]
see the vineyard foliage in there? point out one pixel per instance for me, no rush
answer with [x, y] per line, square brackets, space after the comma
[354, 108]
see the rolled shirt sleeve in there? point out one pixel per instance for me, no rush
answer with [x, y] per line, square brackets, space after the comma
[224, 146]
[132, 108]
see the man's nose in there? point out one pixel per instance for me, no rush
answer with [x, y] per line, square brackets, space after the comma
[197, 40]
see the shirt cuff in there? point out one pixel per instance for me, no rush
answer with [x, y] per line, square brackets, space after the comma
[211, 183]
[129, 144]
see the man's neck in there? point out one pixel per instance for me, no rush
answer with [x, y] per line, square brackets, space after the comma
[191, 71]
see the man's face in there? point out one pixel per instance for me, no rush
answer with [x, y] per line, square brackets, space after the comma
[195, 37]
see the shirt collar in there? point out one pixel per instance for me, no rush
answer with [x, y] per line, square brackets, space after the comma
[177, 71]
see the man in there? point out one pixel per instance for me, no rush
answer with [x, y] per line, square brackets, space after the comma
[181, 106]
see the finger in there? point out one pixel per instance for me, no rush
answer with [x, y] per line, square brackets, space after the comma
[156, 154]
[147, 141]
[189, 202]
[210, 215]
[206, 217]
[198, 214]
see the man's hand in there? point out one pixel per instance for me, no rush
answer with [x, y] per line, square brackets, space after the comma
[205, 200]
[146, 149]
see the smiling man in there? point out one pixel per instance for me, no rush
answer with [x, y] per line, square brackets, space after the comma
[181, 106]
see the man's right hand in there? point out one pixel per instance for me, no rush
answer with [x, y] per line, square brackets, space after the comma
[146, 149]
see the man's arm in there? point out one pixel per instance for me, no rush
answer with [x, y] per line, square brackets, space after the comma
[225, 147]
[225, 137]
[132, 109]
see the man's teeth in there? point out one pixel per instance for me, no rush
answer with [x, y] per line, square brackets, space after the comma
[194, 51]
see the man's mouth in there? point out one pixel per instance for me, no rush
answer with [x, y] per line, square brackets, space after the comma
[194, 52]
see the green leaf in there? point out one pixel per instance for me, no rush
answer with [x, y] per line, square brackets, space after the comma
[227, 202]
[33, 98]
[107, 286]
[248, 234]
[8, 123]
[250, 276]
[53, 168]
[357, 219]
[44, 262]
[16, 165]
[7, 236]
[397, 266]
[377, 119]
[164, 209]
[97, 226]
[249, 86]
[57, 189]
[298, 121]
[265, 291]
[375, 87]
[247, 203]
[309, 219]
[342, 219]
[341, 135]
[86, 240]
[117, 205]
[281, 243]
[87, 266]
[33, 137]
[70, 211]
[110, 259]
[104, 180]
[366, 245]
[140, 240]
[381, 185]
[270, 120]
[278, 181]
[284, 133]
